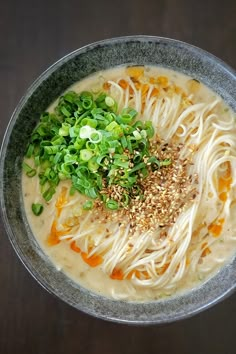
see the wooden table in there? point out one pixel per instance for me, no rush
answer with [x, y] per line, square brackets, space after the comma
[33, 35]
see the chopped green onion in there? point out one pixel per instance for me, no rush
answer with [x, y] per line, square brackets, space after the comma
[125, 119]
[90, 146]
[88, 205]
[86, 95]
[65, 111]
[149, 129]
[29, 151]
[88, 121]
[121, 163]
[85, 132]
[79, 143]
[64, 130]
[95, 137]
[91, 192]
[137, 135]
[143, 134]
[101, 98]
[137, 158]
[37, 160]
[87, 103]
[37, 209]
[125, 199]
[112, 204]
[109, 101]
[70, 96]
[85, 154]
[137, 167]
[144, 172]
[165, 162]
[30, 172]
[111, 126]
[153, 160]
[124, 142]
[47, 195]
[72, 190]
[52, 150]
[87, 142]
[93, 165]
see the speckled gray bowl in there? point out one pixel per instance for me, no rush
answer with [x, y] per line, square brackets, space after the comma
[75, 66]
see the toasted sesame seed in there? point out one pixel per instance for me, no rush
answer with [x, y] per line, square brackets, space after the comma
[165, 193]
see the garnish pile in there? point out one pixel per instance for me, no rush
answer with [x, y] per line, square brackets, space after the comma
[87, 141]
[166, 191]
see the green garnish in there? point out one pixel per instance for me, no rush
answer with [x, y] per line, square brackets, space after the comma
[30, 172]
[88, 205]
[165, 162]
[87, 141]
[37, 209]
[112, 204]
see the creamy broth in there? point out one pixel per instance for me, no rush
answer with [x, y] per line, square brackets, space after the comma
[220, 247]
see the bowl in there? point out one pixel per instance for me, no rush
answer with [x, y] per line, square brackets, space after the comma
[139, 50]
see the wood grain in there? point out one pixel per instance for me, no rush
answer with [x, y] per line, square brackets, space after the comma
[32, 36]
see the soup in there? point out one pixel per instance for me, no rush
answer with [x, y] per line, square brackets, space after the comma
[129, 183]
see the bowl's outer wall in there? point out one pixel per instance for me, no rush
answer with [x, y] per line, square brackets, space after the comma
[77, 65]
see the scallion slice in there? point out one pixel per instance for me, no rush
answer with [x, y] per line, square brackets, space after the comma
[88, 205]
[30, 172]
[37, 209]
[112, 204]
[86, 154]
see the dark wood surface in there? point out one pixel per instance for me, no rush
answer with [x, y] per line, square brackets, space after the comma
[33, 35]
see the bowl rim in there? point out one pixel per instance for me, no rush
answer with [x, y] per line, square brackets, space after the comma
[36, 83]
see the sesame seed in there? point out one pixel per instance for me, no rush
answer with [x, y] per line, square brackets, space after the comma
[165, 192]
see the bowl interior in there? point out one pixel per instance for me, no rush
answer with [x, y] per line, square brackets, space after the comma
[139, 50]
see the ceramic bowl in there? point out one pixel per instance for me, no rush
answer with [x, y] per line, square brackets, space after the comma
[139, 50]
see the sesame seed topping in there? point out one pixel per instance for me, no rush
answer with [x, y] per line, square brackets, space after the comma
[162, 195]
